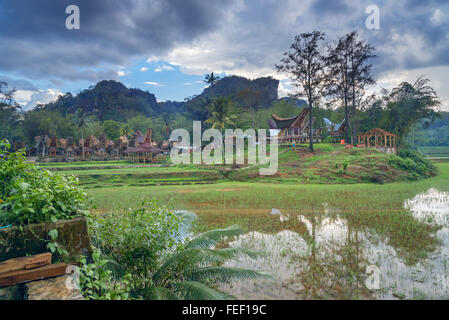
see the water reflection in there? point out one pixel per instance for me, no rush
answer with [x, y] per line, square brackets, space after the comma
[329, 260]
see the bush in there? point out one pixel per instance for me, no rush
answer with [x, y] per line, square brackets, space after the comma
[136, 238]
[149, 253]
[414, 163]
[29, 195]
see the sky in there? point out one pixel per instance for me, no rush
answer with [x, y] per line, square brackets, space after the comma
[167, 46]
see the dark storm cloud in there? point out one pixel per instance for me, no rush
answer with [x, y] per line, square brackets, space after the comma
[17, 84]
[35, 43]
[333, 7]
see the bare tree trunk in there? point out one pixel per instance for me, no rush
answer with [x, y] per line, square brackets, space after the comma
[310, 125]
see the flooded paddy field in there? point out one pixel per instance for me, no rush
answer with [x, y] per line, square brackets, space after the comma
[361, 241]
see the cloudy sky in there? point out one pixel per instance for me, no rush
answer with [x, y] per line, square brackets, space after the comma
[166, 46]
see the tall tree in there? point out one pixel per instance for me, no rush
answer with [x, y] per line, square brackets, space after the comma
[82, 120]
[306, 66]
[167, 120]
[211, 79]
[407, 105]
[221, 113]
[10, 112]
[360, 76]
[350, 73]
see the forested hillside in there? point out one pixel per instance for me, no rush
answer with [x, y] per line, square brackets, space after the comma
[108, 100]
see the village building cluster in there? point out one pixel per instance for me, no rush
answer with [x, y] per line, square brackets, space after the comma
[295, 130]
[140, 148]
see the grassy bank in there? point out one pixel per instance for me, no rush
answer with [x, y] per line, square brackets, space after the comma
[329, 164]
[370, 206]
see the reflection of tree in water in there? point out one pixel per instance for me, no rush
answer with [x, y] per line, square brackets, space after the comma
[341, 247]
[336, 264]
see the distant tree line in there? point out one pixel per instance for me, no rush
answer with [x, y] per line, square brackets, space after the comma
[340, 71]
[332, 77]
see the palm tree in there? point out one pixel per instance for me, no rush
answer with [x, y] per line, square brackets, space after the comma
[167, 119]
[191, 270]
[221, 113]
[82, 120]
[126, 130]
[189, 273]
[211, 79]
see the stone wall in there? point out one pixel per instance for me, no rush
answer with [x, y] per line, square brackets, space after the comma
[18, 242]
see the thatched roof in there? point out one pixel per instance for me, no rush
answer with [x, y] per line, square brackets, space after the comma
[291, 122]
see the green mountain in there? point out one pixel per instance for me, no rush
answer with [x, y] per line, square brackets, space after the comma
[108, 100]
[111, 100]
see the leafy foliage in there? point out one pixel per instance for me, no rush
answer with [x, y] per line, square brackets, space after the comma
[414, 163]
[97, 279]
[221, 113]
[151, 248]
[32, 195]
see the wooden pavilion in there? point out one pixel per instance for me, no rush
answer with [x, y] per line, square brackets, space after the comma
[379, 139]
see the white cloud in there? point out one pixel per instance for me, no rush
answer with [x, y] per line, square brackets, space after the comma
[437, 76]
[121, 73]
[143, 69]
[153, 83]
[438, 17]
[188, 83]
[284, 88]
[29, 99]
[164, 68]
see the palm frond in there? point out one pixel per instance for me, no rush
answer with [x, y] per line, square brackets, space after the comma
[223, 274]
[212, 237]
[117, 270]
[186, 220]
[159, 293]
[192, 290]
[189, 259]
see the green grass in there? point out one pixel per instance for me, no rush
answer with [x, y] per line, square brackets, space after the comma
[329, 164]
[435, 151]
[84, 164]
[368, 206]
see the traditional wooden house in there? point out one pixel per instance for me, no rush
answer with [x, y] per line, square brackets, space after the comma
[100, 147]
[40, 147]
[293, 129]
[70, 147]
[336, 130]
[119, 146]
[378, 138]
[85, 148]
[52, 146]
[141, 149]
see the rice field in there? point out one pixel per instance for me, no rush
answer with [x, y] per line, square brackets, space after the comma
[321, 241]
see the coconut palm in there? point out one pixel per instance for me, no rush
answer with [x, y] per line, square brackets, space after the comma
[167, 120]
[82, 120]
[221, 113]
[211, 79]
[192, 272]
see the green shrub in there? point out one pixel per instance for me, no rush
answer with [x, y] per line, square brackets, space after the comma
[29, 195]
[98, 282]
[149, 247]
[136, 238]
[414, 163]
